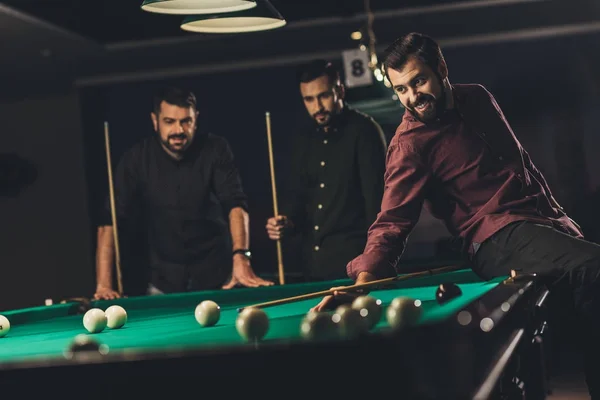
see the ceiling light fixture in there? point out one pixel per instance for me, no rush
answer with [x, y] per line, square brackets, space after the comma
[260, 18]
[188, 7]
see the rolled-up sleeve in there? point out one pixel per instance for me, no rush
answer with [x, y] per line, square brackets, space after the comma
[227, 181]
[406, 177]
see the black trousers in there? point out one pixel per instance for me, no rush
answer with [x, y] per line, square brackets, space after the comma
[571, 269]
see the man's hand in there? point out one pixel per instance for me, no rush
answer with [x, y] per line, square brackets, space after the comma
[278, 226]
[243, 274]
[342, 296]
[105, 293]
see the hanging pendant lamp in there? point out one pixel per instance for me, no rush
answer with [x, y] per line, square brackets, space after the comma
[189, 7]
[260, 18]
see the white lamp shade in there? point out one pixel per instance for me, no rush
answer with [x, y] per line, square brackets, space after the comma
[260, 18]
[188, 7]
[233, 24]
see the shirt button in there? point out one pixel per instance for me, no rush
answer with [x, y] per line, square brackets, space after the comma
[320, 206]
[322, 163]
[316, 227]
[322, 185]
[500, 158]
[325, 141]
[316, 248]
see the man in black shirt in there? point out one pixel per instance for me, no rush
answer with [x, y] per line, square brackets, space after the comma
[183, 183]
[336, 186]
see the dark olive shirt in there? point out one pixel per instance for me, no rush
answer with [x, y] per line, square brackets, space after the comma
[469, 170]
[335, 191]
[184, 204]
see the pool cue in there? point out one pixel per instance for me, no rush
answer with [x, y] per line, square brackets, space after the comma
[355, 287]
[274, 192]
[112, 209]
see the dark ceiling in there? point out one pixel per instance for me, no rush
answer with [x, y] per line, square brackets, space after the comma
[92, 42]
[113, 21]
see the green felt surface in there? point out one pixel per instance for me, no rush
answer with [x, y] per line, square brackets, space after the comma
[167, 322]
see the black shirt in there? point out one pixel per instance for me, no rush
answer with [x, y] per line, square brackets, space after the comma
[335, 191]
[184, 204]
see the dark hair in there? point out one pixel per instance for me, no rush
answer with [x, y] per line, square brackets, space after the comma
[315, 69]
[175, 96]
[413, 44]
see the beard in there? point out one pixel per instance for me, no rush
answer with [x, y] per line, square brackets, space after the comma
[176, 143]
[427, 108]
[323, 118]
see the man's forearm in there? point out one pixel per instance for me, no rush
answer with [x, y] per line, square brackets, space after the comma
[105, 254]
[239, 222]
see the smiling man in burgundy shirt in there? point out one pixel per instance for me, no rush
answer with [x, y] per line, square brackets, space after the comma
[456, 154]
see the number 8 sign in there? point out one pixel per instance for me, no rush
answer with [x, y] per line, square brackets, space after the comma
[356, 68]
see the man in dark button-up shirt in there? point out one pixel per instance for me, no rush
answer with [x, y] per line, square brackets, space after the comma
[337, 177]
[456, 153]
[187, 189]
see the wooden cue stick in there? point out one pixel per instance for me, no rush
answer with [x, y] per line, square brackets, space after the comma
[328, 292]
[274, 192]
[112, 209]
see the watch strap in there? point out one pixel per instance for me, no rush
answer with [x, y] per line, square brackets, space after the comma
[244, 252]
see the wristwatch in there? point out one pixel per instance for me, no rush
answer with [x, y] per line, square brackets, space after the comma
[245, 252]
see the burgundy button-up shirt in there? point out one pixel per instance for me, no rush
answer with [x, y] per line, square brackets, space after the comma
[469, 170]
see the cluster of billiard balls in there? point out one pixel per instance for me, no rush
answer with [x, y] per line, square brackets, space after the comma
[346, 321]
[352, 320]
[95, 320]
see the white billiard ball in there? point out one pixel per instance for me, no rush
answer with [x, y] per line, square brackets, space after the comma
[252, 324]
[94, 320]
[403, 312]
[349, 323]
[369, 308]
[4, 325]
[116, 316]
[318, 326]
[207, 313]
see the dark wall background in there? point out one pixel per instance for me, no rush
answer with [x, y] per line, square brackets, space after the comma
[44, 220]
[547, 88]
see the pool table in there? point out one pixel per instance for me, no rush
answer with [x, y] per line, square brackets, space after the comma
[482, 343]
